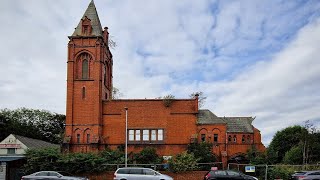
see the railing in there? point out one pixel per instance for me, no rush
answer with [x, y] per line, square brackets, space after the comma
[163, 167]
[264, 171]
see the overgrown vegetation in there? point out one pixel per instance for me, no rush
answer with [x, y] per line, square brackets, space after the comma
[32, 123]
[168, 100]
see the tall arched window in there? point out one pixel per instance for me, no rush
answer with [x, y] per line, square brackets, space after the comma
[85, 69]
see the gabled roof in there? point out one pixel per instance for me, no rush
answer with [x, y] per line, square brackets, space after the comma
[239, 124]
[205, 116]
[91, 14]
[35, 143]
[234, 124]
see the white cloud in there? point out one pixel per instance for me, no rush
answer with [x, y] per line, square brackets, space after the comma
[280, 92]
[237, 53]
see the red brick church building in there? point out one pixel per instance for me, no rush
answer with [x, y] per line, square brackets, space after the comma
[95, 121]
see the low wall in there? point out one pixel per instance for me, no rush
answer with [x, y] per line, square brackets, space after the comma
[190, 175]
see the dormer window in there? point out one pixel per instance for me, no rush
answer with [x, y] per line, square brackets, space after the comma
[86, 26]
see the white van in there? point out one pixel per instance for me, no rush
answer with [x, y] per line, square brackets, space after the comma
[136, 173]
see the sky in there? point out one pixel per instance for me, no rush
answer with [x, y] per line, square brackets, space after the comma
[249, 58]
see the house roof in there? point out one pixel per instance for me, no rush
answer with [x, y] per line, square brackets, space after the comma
[205, 116]
[239, 124]
[91, 14]
[234, 124]
[35, 143]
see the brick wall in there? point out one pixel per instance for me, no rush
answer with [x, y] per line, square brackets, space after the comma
[177, 121]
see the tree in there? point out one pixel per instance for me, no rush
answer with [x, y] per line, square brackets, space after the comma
[294, 156]
[201, 98]
[283, 141]
[256, 157]
[33, 123]
[41, 159]
[202, 151]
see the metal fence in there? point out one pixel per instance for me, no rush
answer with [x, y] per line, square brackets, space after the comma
[163, 167]
[265, 172]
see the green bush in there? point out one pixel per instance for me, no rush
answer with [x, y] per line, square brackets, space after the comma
[183, 162]
[147, 156]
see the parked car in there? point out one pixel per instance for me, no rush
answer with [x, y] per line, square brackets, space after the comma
[226, 174]
[52, 175]
[137, 173]
[306, 175]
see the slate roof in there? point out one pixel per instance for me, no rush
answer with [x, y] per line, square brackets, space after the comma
[35, 143]
[205, 116]
[92, 14]
[239, 124]
[234, 124]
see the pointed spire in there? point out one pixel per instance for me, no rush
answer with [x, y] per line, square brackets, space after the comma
[91, 14]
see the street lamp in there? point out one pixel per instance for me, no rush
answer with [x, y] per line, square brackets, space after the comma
[126, 148]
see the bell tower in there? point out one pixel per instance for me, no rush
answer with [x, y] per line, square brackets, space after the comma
[89, 82]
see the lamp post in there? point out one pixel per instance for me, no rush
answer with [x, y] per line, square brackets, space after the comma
[126, 148]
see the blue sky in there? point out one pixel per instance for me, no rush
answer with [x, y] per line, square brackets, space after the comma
[250, 58]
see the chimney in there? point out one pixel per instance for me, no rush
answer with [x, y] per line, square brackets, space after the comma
[106, 36]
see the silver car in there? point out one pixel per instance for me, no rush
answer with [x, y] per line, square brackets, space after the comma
[136, 173]
[52, 175]
[311, 175]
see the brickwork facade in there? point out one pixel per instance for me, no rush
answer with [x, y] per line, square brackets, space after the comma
[94, 121]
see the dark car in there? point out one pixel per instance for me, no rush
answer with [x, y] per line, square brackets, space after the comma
[306, 175]
[226, 174]
[52, 175]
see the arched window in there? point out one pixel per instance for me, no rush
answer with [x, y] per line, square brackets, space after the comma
[88, 138]
[234, 138]
[83, 92]
[248, 139]
[229, 138]
[85, 69]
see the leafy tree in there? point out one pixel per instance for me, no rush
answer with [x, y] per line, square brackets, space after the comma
[256, 157]
[33, 123]
[314, 148]
[183, 162]
[202, 151]
[201, 98]
[147, 156]
[293, 156]
[41, 159]
[283, 141]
